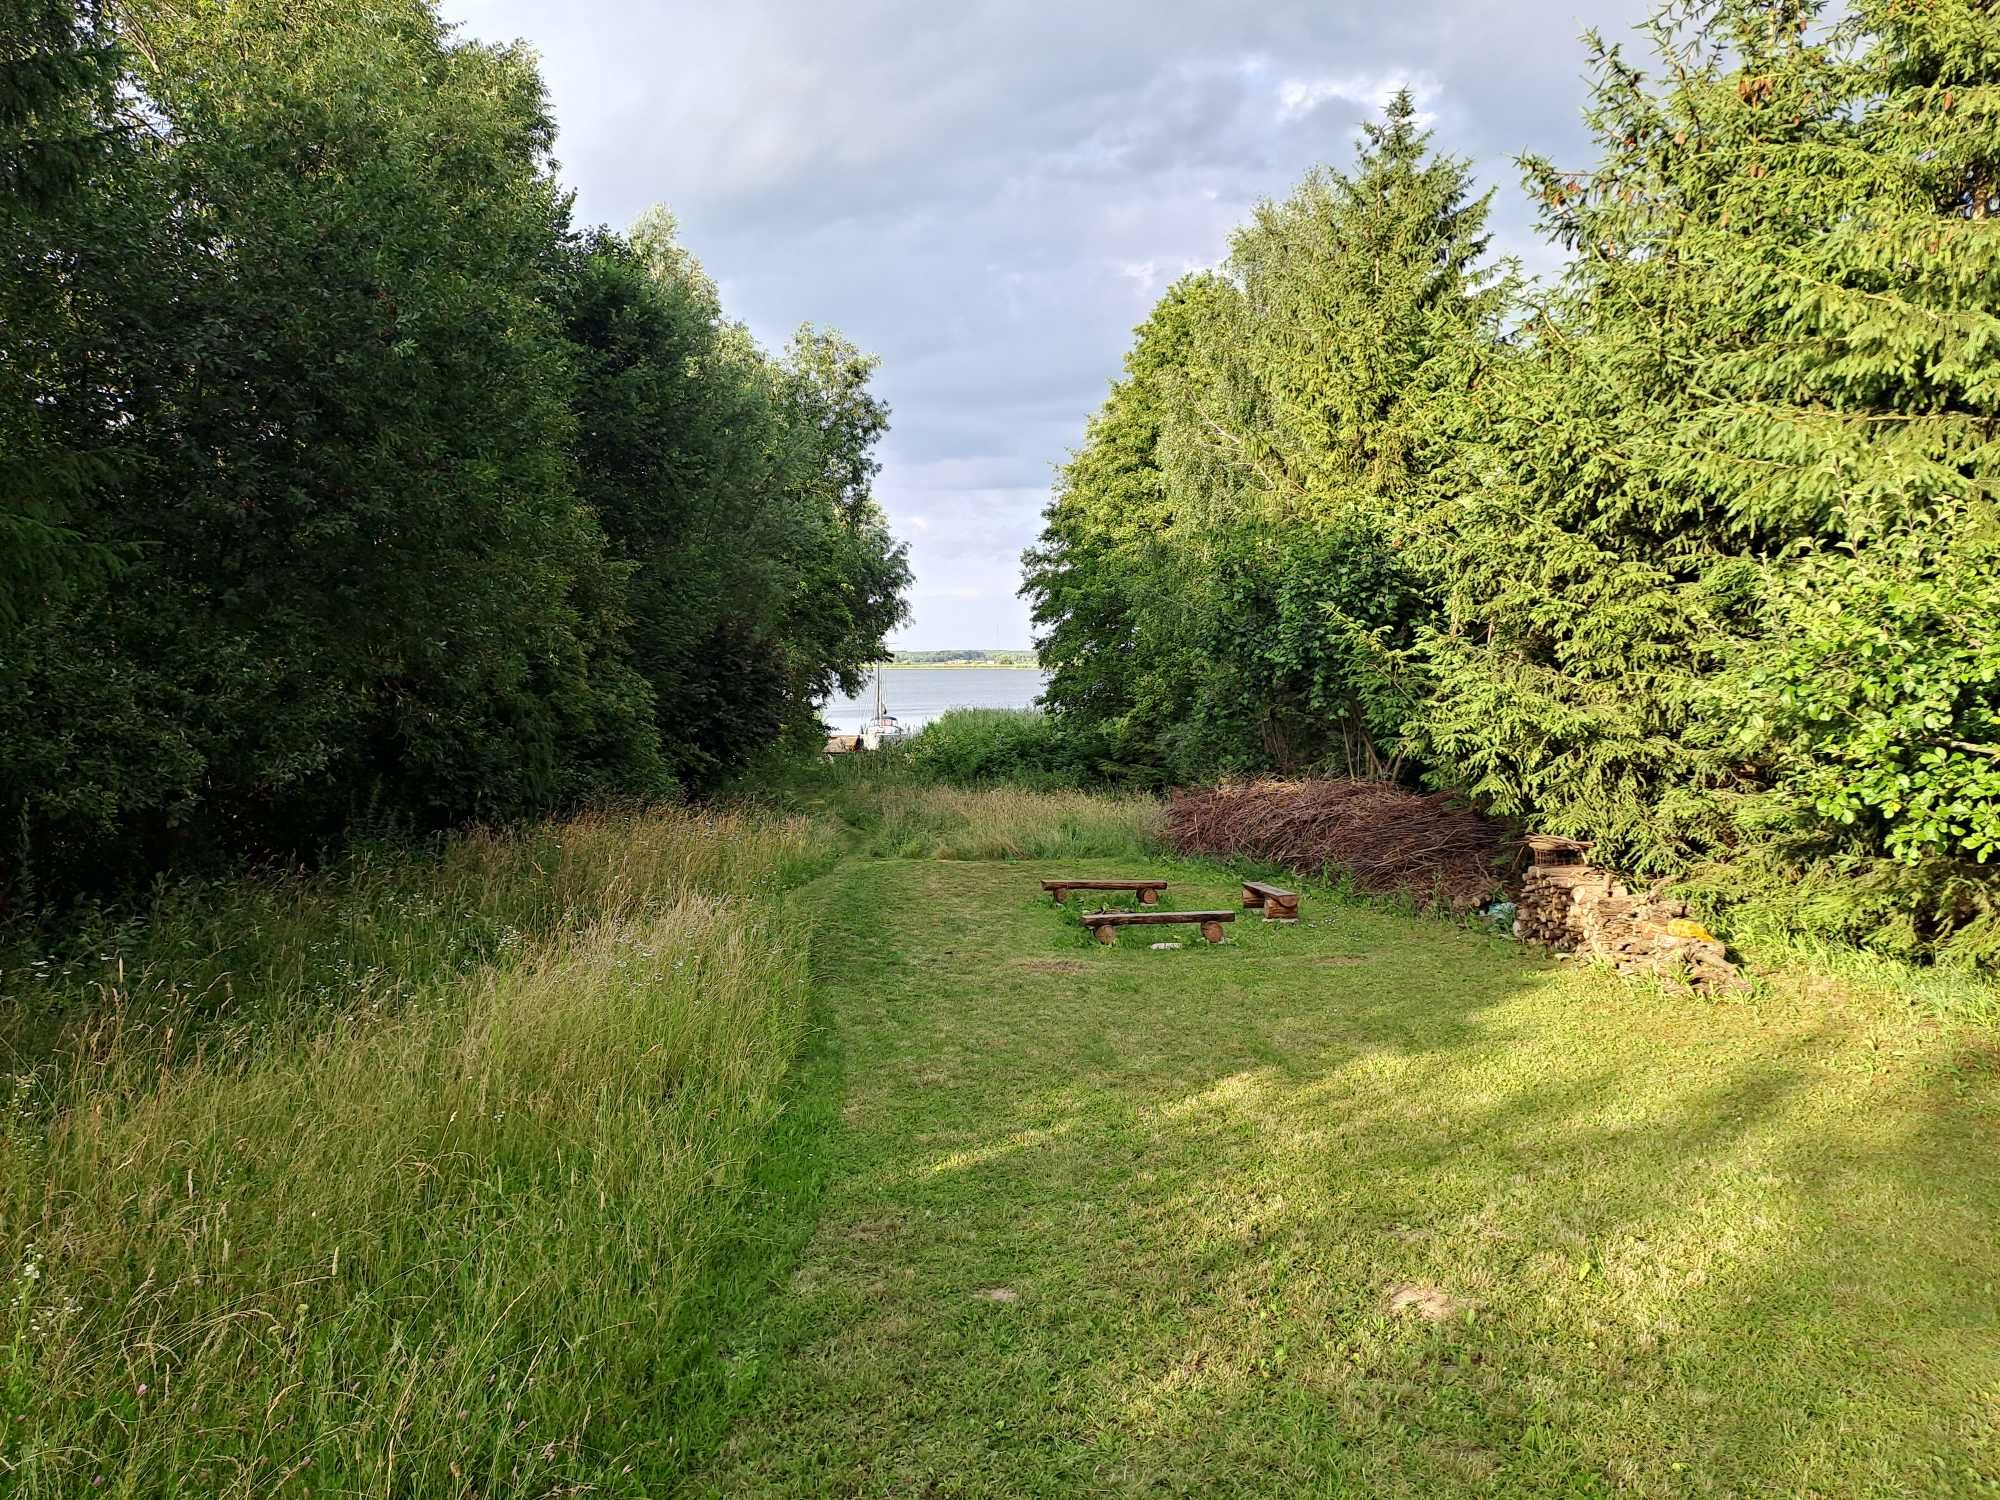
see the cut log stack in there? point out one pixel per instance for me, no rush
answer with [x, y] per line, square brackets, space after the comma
[1579, 908]
[1554, 899]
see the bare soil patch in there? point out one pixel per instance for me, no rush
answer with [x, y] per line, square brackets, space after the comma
[1432, 1304]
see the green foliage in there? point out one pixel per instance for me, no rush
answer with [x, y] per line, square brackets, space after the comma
[1691, 555]
[1710, 605]
[1874, 693]
[1089, 576]
[58, 130]
[735, 489]
[975, 746]
[421, 507]
[1222, 578]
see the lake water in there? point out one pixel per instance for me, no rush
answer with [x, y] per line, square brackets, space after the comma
[916, 695]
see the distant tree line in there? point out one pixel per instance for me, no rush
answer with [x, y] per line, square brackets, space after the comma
[342, 478]
[1694, 554]
[960, 658]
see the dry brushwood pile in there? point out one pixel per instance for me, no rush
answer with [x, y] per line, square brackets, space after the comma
[1387, 839]
[1582, 909]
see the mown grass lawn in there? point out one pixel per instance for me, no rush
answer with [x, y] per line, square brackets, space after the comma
[1364, 1206]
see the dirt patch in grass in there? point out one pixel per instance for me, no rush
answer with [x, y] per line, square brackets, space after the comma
[1430, 1303]
[1339, 961]
[1051, 966]
[997, 1294]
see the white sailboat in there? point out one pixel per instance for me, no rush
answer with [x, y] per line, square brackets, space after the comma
[883, 728]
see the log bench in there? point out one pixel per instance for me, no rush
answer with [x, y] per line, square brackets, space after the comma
[1106, 923]
[1279, 905]
[1149, 890]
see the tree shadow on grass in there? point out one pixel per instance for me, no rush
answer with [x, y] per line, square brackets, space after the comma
[1674, 1248]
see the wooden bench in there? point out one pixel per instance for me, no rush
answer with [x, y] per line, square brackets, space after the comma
[1106, 923]
[1149, 890]
[1279, 905]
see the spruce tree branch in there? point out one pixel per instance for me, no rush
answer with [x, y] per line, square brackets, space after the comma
[1281, 481]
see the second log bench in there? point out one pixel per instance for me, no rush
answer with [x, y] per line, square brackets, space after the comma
[1279, 905]
[1106, 923]
[1149, 890]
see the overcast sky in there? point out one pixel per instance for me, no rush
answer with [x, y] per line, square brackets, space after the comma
[989, 194]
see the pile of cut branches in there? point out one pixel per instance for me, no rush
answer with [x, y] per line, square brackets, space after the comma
[1386, 839]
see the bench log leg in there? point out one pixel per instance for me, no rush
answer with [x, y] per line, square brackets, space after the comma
[1281, 911]
[1211, 930]
[1106, 933]
[1059, 892]
[1149, 898]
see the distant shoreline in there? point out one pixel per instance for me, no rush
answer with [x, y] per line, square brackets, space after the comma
[961, 666]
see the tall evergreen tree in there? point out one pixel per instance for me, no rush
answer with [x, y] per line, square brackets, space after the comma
[1706, 609]
[1871, 700]
[1089, 576]
[1283, 432]
[1364, 308]
[1598, 580]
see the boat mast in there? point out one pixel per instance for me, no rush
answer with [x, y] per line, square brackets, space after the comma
[878, 690]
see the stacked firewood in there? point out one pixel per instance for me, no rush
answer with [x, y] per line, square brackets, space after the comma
[1553, 901]
[1582, 909]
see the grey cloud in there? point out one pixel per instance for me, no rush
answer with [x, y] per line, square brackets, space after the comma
[990, 195]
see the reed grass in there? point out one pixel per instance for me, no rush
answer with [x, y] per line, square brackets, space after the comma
[381, 927]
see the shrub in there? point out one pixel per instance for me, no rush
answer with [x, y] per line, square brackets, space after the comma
[980, 746]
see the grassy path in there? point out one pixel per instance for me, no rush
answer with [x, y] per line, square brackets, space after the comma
[1362, 1207]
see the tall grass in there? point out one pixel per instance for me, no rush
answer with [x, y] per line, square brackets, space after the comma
[942, 822]
[382, 927]
[426, 1205]
[896, 806]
